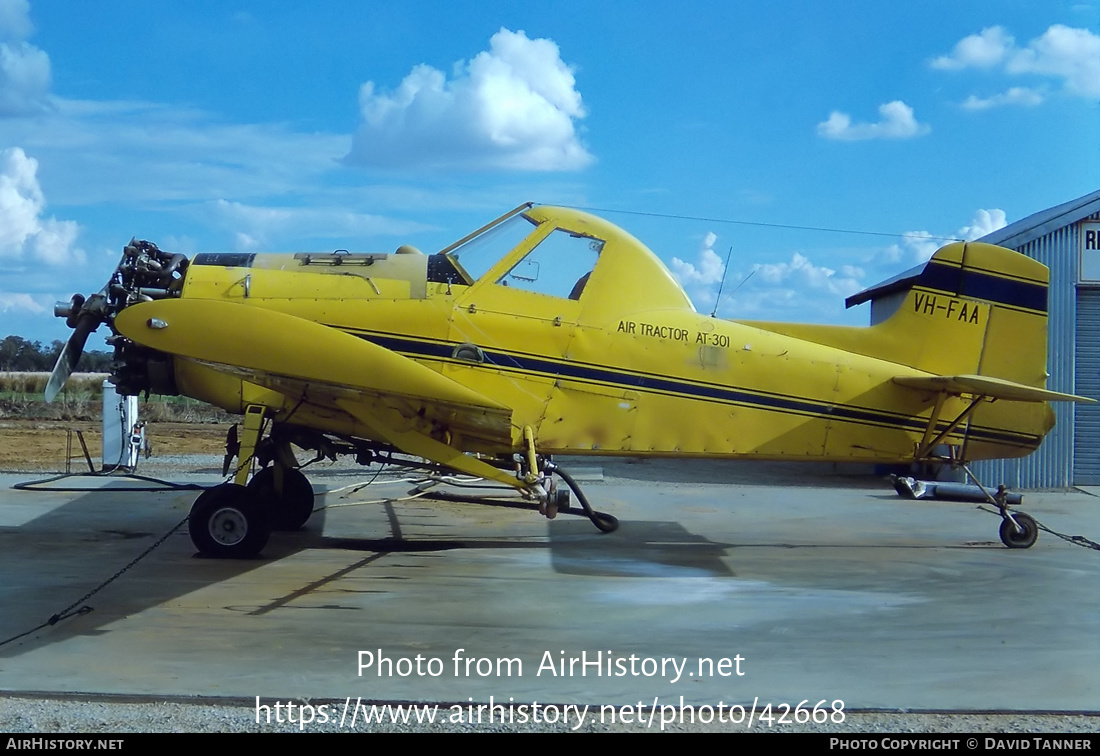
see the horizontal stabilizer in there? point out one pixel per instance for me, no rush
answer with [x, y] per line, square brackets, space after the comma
[982, 385]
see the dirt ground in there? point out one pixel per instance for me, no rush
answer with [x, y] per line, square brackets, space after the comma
[43, 445]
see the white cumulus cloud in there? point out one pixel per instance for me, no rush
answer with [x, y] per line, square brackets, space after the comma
[983, 50]
[702, 277]
[919, 246]
[1013, 96]
[984, 222]
[24, 232]
[707, 269]
[1065, 54]
[24, 69]
[514, 106]
[801, 273]
[15, 19]
[1072, 55]
[915, 247]
[897, 122]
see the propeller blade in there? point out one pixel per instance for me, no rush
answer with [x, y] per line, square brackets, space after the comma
[70, 356]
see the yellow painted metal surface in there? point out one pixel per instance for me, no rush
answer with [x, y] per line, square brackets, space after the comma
[309, 360]
[626, 366]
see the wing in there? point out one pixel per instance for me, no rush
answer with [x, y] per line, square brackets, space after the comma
[981, 385]
[302, 359]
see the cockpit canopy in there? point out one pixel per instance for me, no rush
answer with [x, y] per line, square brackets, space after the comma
[568, 254]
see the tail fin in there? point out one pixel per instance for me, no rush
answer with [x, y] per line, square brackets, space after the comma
[979, 313]
[973, 309]
[975, 318]
[977, 309]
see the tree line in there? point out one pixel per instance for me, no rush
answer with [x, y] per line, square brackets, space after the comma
[18, 355]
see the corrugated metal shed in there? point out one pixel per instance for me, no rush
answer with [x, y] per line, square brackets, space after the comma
[1053, 237]
[1016, 235]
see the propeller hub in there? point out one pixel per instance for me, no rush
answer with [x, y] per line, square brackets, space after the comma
[144, 273]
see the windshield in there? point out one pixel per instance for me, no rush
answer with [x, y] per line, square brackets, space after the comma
[476, 256]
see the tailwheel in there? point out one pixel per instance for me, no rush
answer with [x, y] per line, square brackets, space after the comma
[288, 508]
[226, 522]
[1018, 530]
[1022, 534]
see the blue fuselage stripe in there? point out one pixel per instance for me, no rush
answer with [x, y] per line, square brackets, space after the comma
[706, 391]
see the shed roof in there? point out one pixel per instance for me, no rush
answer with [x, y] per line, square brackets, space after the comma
[1016, 235]
[901, 282]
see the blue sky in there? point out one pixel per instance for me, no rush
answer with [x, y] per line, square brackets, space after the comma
[285, 126]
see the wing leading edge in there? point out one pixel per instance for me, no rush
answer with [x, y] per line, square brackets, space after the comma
[302, 359]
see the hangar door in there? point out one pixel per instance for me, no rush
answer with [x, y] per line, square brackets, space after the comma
[1086, 432]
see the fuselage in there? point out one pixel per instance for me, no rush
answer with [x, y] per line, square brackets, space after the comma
[606, 358]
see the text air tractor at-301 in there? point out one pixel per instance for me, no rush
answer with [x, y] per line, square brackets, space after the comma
[550, 331]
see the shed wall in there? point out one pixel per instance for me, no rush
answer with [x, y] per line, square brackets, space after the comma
[1051, 466]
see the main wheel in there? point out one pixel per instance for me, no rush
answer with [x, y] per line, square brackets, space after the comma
[291, 509]
[1019, 539]
[226, 522]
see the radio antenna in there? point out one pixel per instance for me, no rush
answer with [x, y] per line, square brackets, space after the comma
[725, 272]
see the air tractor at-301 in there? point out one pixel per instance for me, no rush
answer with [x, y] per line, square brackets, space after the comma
[551, 332]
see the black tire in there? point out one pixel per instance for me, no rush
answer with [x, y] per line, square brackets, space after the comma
[1014, 539]
[289, 511]
[225, 522]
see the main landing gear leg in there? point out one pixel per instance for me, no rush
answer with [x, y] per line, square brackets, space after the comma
[227, 520]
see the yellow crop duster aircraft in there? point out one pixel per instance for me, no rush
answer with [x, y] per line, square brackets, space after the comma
[550, 331]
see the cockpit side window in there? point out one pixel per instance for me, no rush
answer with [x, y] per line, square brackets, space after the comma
[558, 267]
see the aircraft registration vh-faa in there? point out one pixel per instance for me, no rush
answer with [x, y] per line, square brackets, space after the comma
[550, 331]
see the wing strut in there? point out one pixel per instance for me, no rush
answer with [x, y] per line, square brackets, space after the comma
[928, 443]
[412, 441]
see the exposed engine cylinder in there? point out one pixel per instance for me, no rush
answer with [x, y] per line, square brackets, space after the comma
[144, 273]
